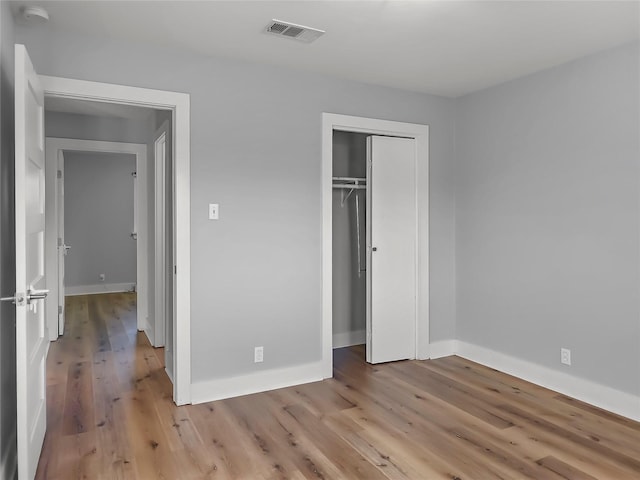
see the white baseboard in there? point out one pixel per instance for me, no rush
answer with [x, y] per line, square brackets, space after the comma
[443, 348]
[349, 338]
[256, 382]
[169, 374]
[99, 288]
[608, 398]
[9, 460]
[149, 332]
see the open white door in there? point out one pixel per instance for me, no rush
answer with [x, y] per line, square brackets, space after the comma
[391, 249]
[63, 248]
[31, 336]
[160, 267]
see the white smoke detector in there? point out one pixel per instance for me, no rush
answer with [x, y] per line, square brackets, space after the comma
[293, 31]
[33, 14]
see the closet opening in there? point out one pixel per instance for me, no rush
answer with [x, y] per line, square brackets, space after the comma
[375, 262]
[349, 204]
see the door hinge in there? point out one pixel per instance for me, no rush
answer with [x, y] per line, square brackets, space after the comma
[59, 309]
[59, 173]
[59, 241]
[175, 269]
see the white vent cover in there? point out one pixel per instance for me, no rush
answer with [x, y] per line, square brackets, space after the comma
[291, 30]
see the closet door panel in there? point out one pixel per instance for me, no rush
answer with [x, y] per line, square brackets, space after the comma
[391, 240]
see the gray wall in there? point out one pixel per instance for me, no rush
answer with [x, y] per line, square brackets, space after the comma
[547, 217]
[93, 127]
[256, 150]
[349, 288]
[98, 221]
[7, 249]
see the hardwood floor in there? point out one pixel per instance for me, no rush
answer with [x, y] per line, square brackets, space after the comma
[110, 416]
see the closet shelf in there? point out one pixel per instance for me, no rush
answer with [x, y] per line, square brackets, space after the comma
[349, 187]
[349, 181]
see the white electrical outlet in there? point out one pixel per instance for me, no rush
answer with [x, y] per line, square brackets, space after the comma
[565, 356]
[258, 355]
[101, 277]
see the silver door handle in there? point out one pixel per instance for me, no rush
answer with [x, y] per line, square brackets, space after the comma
[134, 235]
[36, 295]
[66, 249]
[15, 299]
[21, 299]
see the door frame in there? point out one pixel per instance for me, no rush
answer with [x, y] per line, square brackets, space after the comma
[335, 122]
[179, 105]
[55, 148]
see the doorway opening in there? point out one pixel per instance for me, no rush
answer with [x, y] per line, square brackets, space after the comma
[171, 121]
[351, 132]
[109, 211]
[107, 181]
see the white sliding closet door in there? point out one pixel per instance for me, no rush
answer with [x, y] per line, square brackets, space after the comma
[391, 252]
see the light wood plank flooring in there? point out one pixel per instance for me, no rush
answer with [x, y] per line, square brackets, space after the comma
[110, 416]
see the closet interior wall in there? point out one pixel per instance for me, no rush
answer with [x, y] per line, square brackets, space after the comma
[349, 285]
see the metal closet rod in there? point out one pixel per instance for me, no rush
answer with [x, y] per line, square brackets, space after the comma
[350, 183]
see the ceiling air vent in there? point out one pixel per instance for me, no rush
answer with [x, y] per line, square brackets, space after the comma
[291, 30]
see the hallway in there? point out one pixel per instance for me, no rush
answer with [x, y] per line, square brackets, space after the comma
[111, 416]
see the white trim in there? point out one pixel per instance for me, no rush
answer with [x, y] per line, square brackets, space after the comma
[179, 105]
[99, 288]
[8, 462]
[346, 339]
[443, 348]
[141, 229]
[149, 331]
[331, 122]
[54, 146]
[587, 391]
[256, 382]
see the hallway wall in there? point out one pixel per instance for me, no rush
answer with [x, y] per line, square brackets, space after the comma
[99, 216]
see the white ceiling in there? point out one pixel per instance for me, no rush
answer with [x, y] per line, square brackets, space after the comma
[442, 47]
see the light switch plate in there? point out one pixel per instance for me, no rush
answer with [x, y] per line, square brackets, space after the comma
[214, 211]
